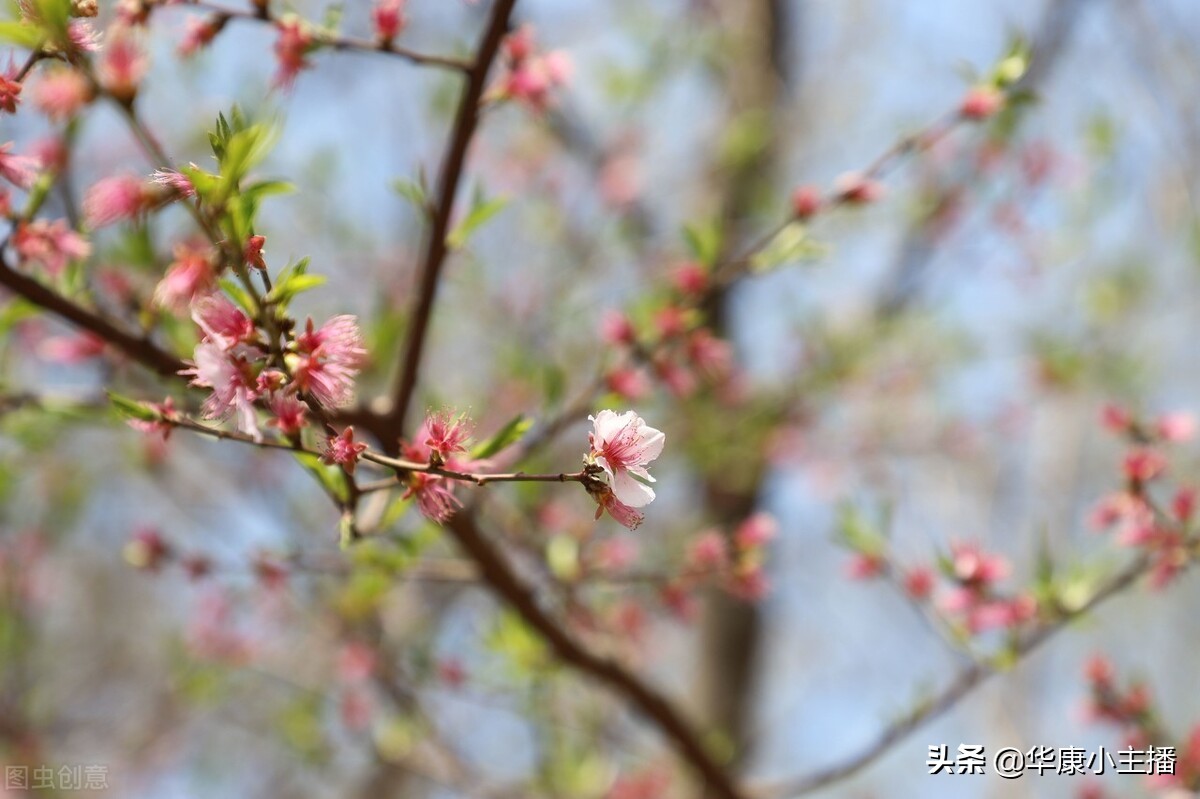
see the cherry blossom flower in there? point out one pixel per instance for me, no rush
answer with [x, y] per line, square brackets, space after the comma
[756, 531]
[806, 202]
[1177, 426]
[981, 102]
[230, 375]
[72, 349]
[253, 252]
[857, 189]
[447, 433]
[623, 445]
[10, 91]
[61, 92]
[918, 582]
[344, 450]
[531, 77]
[291, 49]
[865, 566]
[223, 323]
[190, 274]
[289, 414]
[50, 243]
[356, 662]
[1116, 419]
[176, 181]
[146, 549]
[1143, 464]
[388, 18]
[709, 552]
[19, 170]
[122, 65]
[197, 33]
[690, 278]
[628, 383]
[615, 328]
[115, 199]
[625, 515]
[328, 360]
[161, 426]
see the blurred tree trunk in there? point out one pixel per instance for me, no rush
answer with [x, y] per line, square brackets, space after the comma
[753, 76]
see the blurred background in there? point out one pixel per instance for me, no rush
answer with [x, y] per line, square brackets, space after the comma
[937, 362]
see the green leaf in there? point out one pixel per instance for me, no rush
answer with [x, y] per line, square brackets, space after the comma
[240, 296]
[480, 214]
[790, 244]
[131, 408]
[704, 240]
[21, 34]
[282, 293]
[503, 438]
[413, 191]
[331, 477]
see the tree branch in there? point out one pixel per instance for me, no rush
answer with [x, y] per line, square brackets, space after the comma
[465, 122]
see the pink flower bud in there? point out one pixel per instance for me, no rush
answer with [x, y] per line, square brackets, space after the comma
[1143, 464]
[981, 102]
[756, 531]
[388, 19]
[1115, 419]
[690, 279]
[918, 582]
[856, 189]
[806, 202]
[344, 450]
[616, 329]
[1177, 426]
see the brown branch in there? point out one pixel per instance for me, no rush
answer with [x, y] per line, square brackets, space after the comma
[340, 42]
[465, 122]
[140, 349]
[499, 575]
[963, 684]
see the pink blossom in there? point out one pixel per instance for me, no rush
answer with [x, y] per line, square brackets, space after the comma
[709, 552]
[289, 414]
[1177, 426]
[615, 328]
[1116, 419]
[531, 77]
[50, 243]
[328, 360]
[344, 450]
[678, 380]
[1143, 464]
[223, 323]
[1183, 504]
[253, 252]
[19, 170]
[355, 708]
[230, 375]
[83, 36]
[756, 531]
[710, 355]
[749, 584]
[161, 426]
[269, 571]
[447, 433]
[671, 321]
[918, 582]
[625, 515]
[72, 349]
[122, 65]
[180, 183]
[628, 383]
[865, 566]
[50, 152]
[198, 32]
[356, 662]
[806, 202]
[857, 189]
[10, 92]
[451, 672]
[690, 278]
[61, 92]
[211, 633]
[115, 199]
[679, 601]
[146, 549]
[981, 102]
[190, 274]
[623, 445]
[435, 498]
[388, 18]
[972, 566]
[615, 554]
[291, 49]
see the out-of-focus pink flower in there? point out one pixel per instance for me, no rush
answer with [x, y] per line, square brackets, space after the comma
[196, 566]
[678, 380]
[918, 582]
[50, 243]
[865, 566]
[10, 91]
[749, 584]
[615, 328]
[122, 64]
[974, 567]
[447, 433]
[328, 359]
[146, 549]
[223, 323]
[1143, 464]
[806, 202]
[271, 573]
[1183, 504]
[178, 182]
[212, 635]
[198, 32]
[20, 170]
[76, 348]
[615, 554]
[388, 18]
[292, 47]
[451, 672]
[231, 376]
[1116, 419]
[161, 426]
[50, 152]
[190, 274]
[253, 252]
[289, 414]
[709, 552]
[1177, 426]
[680, 602]
[628, 383]
[710, 356]
[115, 199]
[981, 102]
[756, 531]
[670, 321]
[344, 450]
[690, 278]
[530, 78]
[356, 662]
[355, 708]
[623, 445]
[60, 92]
[857, 189]
[651, 784]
